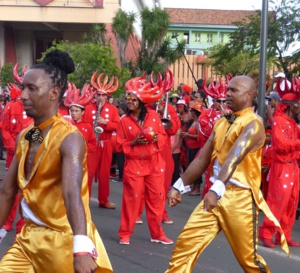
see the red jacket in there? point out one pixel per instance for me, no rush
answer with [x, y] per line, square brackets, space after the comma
[109, 112]
[15, 120]
[87, 130]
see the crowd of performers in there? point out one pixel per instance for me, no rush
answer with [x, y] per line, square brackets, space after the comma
[155, 136]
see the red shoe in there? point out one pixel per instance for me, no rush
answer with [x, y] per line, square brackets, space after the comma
[163, 240]
[139, 221]
[167, 220]
[107, 206]
[267, 242]
[291, 243]
[124, 241]
[8, 225]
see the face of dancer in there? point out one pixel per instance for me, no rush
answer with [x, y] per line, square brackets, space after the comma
[76, 113]
[241, 90]
[100, 98]
[38, 94]
[132, 102]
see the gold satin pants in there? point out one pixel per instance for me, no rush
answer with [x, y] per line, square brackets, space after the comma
[237, 216]
[39, 250]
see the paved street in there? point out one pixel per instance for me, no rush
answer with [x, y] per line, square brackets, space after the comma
[142, 256]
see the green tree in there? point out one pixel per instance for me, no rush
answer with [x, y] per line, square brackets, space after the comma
[6, 74]
[122, 26]
[90, 57]
[283, 31]
[156, 51]
[97, 35]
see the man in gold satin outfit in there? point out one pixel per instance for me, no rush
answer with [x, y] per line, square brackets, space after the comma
[233, 202]
[50, 171]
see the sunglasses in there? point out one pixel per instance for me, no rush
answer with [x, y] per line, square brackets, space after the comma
[133, 99]
[100, 95]
[220, 101]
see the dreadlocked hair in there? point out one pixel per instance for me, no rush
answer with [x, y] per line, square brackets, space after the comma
[57, 64]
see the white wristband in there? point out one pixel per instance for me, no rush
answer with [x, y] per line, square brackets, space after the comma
[83, 245]
[219, 188]
[179, 186]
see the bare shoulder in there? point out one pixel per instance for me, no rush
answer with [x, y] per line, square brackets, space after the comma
[73, 143]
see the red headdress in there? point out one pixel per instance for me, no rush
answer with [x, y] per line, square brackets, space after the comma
[150, 91]
[218, 90]
[186, 88]
[104, 87]
[74, 98]
[291, 92]
[15, 91]
[16, 74]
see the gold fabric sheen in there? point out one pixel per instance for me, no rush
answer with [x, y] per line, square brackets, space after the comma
[43, 194]
[248, 171]
[237, 210]
[202, 227]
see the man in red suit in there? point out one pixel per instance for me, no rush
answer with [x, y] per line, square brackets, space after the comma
[105, 119]
[283, 191]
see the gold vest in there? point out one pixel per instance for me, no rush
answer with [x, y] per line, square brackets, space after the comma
[43, 192]
[248, 171]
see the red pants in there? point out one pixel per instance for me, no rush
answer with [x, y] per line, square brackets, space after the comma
[282, 199]
[167, 156]
[100, 162]
[151, 184]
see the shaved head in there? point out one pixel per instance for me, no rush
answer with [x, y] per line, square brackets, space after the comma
[241, 92]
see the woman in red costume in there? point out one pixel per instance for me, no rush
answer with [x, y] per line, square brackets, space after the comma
[141, 137]
[76, 103]
[193, 144]
[283, 192]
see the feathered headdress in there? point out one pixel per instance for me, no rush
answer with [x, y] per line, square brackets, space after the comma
[218, 90]
[104, 87]
[75, 98]
[150, 91]
[289, 92]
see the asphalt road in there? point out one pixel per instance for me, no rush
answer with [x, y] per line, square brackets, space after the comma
[142, 256]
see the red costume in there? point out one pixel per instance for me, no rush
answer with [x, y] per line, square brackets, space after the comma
[102, 158]
[283, 192]
[144, 165]
[144, 170]
[15, 120]
[167, 154]
[266, 161]
[208, 118]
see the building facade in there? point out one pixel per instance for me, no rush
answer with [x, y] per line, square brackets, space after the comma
[200, 29]
[28, 27]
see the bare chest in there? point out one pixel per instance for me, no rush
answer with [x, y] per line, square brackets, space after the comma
[30, 158]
